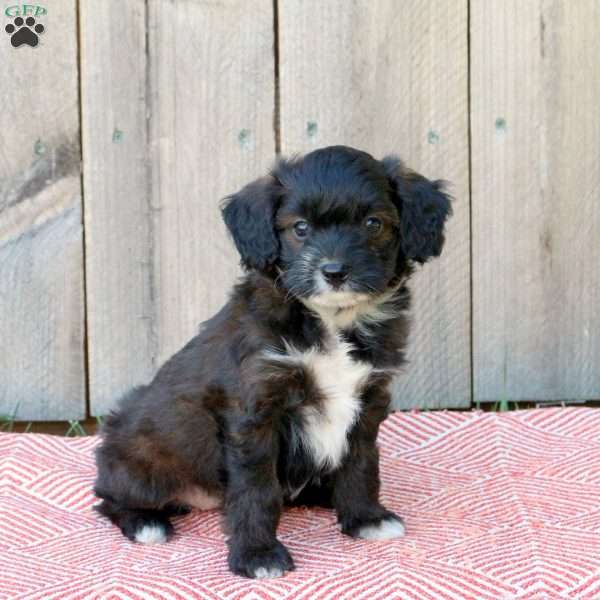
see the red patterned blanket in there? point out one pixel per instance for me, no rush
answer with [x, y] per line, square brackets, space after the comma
[496, 506]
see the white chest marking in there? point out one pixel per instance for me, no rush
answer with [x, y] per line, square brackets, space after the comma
[339, 379]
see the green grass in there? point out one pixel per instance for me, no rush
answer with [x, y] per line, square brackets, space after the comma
[74, 428]
[505, 405]
[8, 421]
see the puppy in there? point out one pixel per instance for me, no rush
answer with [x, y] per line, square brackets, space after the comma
[279, 398]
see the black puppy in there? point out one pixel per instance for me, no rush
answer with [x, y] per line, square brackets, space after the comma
[279, 398]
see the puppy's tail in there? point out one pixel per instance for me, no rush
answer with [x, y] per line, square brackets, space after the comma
[145, 526]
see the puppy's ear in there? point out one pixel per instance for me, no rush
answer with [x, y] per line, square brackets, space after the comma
[423, 206]
[250, 218]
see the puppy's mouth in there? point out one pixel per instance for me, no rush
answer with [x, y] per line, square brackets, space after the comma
[326, 295]
[338, 299]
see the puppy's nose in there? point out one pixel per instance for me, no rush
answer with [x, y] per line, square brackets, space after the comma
[335, 273]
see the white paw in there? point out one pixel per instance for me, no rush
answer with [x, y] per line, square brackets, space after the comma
[151, 534]
[264, 573]
[386, 529]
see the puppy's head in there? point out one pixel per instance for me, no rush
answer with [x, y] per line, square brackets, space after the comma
[337, 226]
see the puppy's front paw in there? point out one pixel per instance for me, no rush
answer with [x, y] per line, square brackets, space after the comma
[387, 527]
[261, 563]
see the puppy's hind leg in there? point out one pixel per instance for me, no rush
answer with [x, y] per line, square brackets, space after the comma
[145, 526]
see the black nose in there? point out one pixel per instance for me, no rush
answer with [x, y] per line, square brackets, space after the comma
[335, 273]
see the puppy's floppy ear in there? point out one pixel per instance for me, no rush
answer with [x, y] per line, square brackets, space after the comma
[250, 218]
[423, 206]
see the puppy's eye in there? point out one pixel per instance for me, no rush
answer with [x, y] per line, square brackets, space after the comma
[301, 229]
[373, 224]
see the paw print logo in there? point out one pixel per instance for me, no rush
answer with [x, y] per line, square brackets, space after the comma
[24, 32]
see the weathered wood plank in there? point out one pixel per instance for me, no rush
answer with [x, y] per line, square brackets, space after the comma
[536, 215]
[210, 95]
[42, 372]
[119, 220]
[212, 107]
[391, 77]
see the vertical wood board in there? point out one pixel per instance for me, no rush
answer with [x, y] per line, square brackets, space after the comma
[119, 217]
[391, 77]
[42, 372]
[192, 109]
[535, 87]
[212, 110]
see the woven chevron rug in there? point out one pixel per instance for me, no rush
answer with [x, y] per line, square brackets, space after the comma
[496, 506]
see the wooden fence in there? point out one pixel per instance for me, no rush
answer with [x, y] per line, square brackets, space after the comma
[123, 129]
